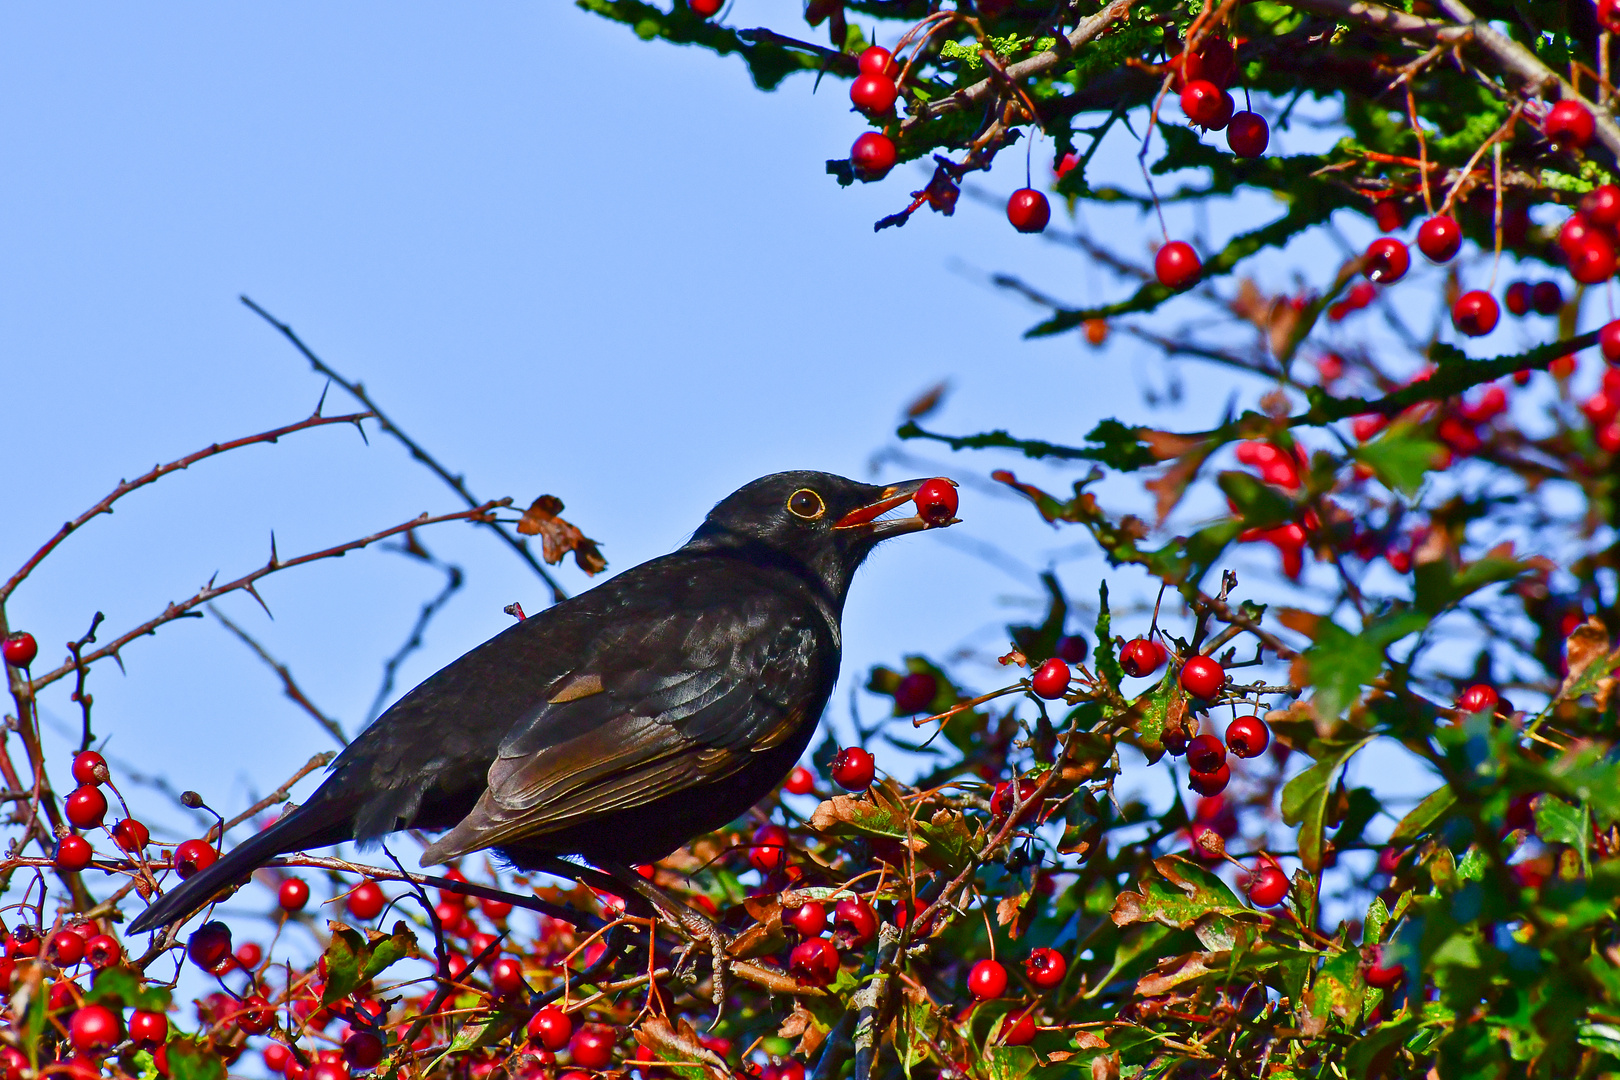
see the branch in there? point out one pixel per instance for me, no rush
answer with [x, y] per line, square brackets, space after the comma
[126, 486]
[215, 834]
[246, 583]
[288, 686]
[457, 484]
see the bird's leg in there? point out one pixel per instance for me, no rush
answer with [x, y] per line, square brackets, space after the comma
[694, 922]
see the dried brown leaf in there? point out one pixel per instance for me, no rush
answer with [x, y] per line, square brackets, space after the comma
[679, 1044]
[1300, 621]
[558, 537]
[927, 401]
[1587, 645]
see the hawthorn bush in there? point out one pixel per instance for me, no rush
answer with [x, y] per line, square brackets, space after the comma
[1440, 584]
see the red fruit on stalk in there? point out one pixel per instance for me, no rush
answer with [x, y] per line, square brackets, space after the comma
[915, 693]
[1546, 298]
[86, 806]
[1215, 60]
[131, 835]
[814, 961]
[987, 980]
[1387, 260]
[1248, 134]
[1365, 427]
[248, 954]
[1176, 265]
[1475, 313]
[1210, 783]
[103, 951]
[255, 1015]
[550, 1028]
[192, 856]
[1569, 125]
[1020, 1032]
[1608, 13]
[1479, 698]
[275, 1055]
[872, 156]
[853, 769]
[506, 977]
[1202, 676]
[1591, 263]
[339, 1069]
[1248, 736]
[367, 901]
[1028, 210]
[1381, 975]
[72, 853]
[876, 60]
[1073, 648]
[1517, 299]
[293, 894]
[592, 1046]
[1051, 679]
[936, 500]
[855, 924]
[89, 767]
[1002, 800]
[19, 649]
[1140, 657]
[705, 9]
[1046, 968]
[801, 781]
[1609, 341]
[1206, 104]
[1601, 205]
[149, 1029]
[873, 94]
[808, 919]
[363, 1049]
[209, 945]
[1205, 753]
[1387, 215]
[1269, 887]
[94, 1029]
[65, 948]
[1439, 238]
[768, 852]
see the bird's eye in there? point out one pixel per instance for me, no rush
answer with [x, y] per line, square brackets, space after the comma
[806, 504]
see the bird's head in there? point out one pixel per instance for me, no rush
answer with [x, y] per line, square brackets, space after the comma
[824, 523]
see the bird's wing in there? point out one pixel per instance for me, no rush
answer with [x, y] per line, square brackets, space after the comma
[683, 702]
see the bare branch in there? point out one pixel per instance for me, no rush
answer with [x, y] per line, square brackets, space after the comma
[288, 685]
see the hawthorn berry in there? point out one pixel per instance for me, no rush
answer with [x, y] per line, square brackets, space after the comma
[768, 852]
[65, 949]
[1387, 260]
[1002, 802]
[1248, 736]
[1517, 298]
[873, 155]
[873, 94]
[1215, 60]
[853, 769]
[72, 853]
[496, 910]
[1387, 216]
[1051, 679]
[1608, 13]
[915, 693]
[150, 1029]
[1205, 753]
[814, 961]
[1592, 262]
[1176, 265]
[1569, 124]
[854, 924]
[1046, 967]
[987, 979]
[1546, 297]
[1601, 205]
[1206, 104]
[801, 781]
[89, 767]
[255, 1015]
[1439, 238]
[102, 950]
[1381, 975]
[293, 894]
[1028, 210]
[1073, 648]
[1248, 134]
[275, 1055]
[192, 856]
[363, 1049]
[1609, 341]
[367, 901]
[1475, 313]
[936, 500]
[1202, 676]
[506, 977]
[1143, 656]
[1019, 1032]
[1269, 887]
[1210, 783]
[592, 1046]
[93, 1029]
[1479, 698]
[334, 1070]
[550, 1028]
[209, 945]
[131, 835]
[809, 919]
[876, 60]
[19, 649]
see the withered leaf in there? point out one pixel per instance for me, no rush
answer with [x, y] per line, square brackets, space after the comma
[1587, 646]
[1172, 971]
[558, 537]
[673, 1043]
[927, 401]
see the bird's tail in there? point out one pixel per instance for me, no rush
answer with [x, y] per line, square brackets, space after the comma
[305, 827]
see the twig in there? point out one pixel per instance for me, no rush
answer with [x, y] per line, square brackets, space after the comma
[280, 795]
[76, 648]
[452, 585]
[288, 685]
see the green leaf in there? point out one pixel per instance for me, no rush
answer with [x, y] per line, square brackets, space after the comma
[346, 952]
[188, 1061]
[1009, 1062]
[1557, 822]
[1436, 586]
[1372, 928]
[1105, 658]
[1402, 457]
[1341, 663]
[1337, 992]
[1114, 444]
[945, 841]
[1178, 894]
[1422, 817]
[1375, 1050]
[1261, 505]
[1305, 799]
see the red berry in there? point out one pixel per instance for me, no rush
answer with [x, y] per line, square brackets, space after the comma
[1269, 887]
[1210, 783]
[814, 961]
[1479, 698]
[1001, 802]
[1202, 677]
[854, 924]
[768, 852]
[94, 1028]
[1051, 679]
[1046, 968]
[801, 781]
[1592, 262]
[873, 94]
[452, 916]
[1569, 124]
[248, 954]
[293, 894]
[255, 1015]
[363, 1049]
[1019, 1032]
[150, 1029]
[507, 976]
[1609, 341]
[1028, 210]
[1176, 265]
[915, 693]
[1073, 648]
[1475, 313]
[876, 60]
[809, 919]
[1248, 736]
[1387, 215]
[19, 649]
[103, 951]
[192, 856]
[550, 1028]
[89, 767]
[1140, 657]
[72, 853]
[65, 948]
[496, 910]
[1439, 238]
[987, 980]
[592, 1046]
[873, 155]
[1215, 60]
[333, 1070]
[1517, 298]
[936, 500]
[1205, 753]
[1248, 134]
[1206, 104]
[367, 901]
[853, 769]
[86, 806]
[275, 1055]
[209, 944]
[1547, 298]
[1387, 260]
[1381, 975]
[131, 835]
[1601, 205]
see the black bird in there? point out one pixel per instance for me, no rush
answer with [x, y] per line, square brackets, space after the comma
[619, 724]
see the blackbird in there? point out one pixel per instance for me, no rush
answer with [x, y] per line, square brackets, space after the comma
[620, 724]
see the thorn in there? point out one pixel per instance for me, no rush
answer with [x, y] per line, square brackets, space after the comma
[322, 402]
[251, 591]
[361, 428]
[274, 560]
[211, 579]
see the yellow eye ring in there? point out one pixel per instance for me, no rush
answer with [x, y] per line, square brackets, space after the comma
[806, 504]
